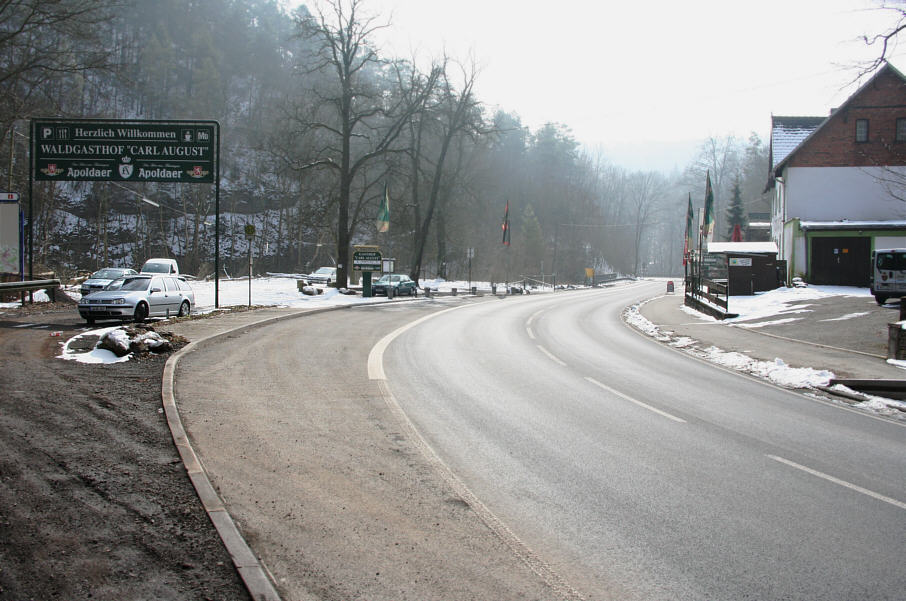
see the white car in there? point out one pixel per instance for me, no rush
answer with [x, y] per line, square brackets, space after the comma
[323, 275]
[98, 280]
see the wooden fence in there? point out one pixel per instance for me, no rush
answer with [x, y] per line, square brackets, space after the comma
[708, 296]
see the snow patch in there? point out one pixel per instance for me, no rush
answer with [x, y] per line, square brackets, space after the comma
[761, 324]
[777, 371]
[847, 316]
[95, 355]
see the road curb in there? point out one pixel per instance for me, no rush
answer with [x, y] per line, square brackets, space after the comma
[254, 574]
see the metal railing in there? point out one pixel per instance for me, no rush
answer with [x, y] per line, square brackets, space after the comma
[31, 285]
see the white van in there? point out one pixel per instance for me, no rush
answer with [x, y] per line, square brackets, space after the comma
[158, 266]
[888, 273]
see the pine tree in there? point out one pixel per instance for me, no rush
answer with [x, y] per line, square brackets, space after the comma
[735, 212]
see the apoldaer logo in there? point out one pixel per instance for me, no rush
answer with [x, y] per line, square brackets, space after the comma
[126, 168]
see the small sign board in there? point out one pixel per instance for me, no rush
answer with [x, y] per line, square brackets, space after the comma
[740, 261]
[366, 260]
[9, 197]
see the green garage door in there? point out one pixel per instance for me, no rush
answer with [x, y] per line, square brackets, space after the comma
[840, 261]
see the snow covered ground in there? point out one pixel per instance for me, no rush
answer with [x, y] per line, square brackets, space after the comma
[282, 292]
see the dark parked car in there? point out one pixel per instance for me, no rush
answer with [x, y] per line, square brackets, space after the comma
[98, 280]
[140, 297]
[401, 284]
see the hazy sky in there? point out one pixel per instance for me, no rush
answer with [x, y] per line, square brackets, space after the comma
[645, 80]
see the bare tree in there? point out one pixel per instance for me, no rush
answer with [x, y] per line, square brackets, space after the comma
[886, 40]
[720, 158]
[456, 112]
[357, 121]
[42, 43]
[646, 192]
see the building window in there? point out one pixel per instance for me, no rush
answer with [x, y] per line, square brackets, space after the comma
[861, 130]
[901, 130]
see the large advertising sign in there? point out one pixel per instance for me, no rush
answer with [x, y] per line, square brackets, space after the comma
[124, 150]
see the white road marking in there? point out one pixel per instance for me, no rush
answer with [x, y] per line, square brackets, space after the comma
[637, 402]
[529, 321]
[551, 355]
[843, 483]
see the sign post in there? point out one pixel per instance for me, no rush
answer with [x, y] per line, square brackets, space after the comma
[250, 236]
[471, 253]
[366, 259]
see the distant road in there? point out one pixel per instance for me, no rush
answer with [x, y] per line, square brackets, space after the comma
[637, 472]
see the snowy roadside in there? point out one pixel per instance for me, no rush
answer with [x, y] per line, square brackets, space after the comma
[271, 291]
[777, 371]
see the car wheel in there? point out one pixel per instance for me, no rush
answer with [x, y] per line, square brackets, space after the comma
[141, 313]
[880, 298]
[184, 309]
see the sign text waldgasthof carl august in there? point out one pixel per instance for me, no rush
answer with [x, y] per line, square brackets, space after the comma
[137, 151]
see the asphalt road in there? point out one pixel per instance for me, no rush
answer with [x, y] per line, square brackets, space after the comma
[536, 447]
[322, 477]
[637, 472]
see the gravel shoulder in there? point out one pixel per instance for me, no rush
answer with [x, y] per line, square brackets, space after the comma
[94, 500]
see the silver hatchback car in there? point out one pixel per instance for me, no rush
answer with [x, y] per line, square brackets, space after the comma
[140, 297]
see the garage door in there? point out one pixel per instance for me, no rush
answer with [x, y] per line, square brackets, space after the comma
[840, 261]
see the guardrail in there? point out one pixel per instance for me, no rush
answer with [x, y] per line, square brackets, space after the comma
[31, 285]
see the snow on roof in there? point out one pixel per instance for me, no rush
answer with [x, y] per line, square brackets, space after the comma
[788, 132]
[742, 247]
[853, 225]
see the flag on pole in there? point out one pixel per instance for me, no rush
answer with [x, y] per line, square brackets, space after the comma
[708, 226]
[690, 232]
[506, 224]
[383, 217]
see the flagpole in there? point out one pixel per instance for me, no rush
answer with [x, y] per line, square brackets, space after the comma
[696, 279]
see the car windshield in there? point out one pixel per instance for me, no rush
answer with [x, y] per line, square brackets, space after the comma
[156, 268]
[136, 284]
[115, 284]
[385, 279]
[106, 274]
[325, 270]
